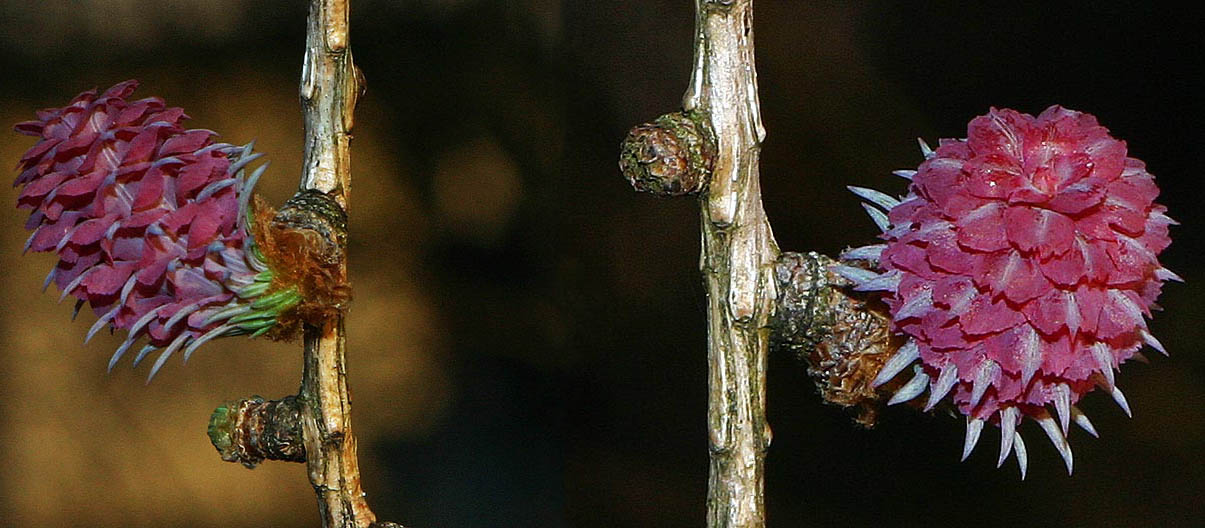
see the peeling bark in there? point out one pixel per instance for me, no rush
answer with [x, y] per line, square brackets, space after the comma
[330, 85]
[737, 262]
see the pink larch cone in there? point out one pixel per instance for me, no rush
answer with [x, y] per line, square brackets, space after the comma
[149, 221]
[1020, 265]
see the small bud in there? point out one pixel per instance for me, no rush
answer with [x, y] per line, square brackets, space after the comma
[671, 156]
[252, 430]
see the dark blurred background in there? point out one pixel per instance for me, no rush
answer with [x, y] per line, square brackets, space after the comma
[527, 343]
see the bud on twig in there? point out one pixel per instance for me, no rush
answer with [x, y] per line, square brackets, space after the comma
[672, 156]
[252, 430]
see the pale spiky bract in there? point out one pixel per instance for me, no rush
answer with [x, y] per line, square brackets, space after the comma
[1021, 266]
[149, 221]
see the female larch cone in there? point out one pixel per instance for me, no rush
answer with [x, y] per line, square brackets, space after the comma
[1020, 266]
[150, 222]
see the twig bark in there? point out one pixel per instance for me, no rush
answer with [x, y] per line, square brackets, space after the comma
[252, 430]
[330, 85]
[737, 262]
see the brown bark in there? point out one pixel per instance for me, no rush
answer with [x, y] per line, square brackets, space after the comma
[330, 85]
[737, 262]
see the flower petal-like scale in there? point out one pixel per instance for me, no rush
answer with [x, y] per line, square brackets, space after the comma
[149, 221]
[1024, 266]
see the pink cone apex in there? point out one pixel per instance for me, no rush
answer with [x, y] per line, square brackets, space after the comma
[1022, 264]
[147, 219]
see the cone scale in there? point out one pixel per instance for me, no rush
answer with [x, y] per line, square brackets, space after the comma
[151, 222]
[1021, 266]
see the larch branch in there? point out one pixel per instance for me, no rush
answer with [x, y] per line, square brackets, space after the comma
[737, 262]
[330, 86]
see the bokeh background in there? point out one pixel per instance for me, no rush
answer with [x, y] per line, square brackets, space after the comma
[527, 339]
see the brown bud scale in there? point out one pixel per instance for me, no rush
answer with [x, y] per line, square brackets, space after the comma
[253, 430]
[843, 336]
[305, 244]
[672, 156]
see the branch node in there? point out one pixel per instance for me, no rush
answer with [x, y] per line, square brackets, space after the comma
[305, 244]
[316, 211]
[843, 336]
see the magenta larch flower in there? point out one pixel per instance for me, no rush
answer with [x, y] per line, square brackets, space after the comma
[149, 221]
[1021, 267]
